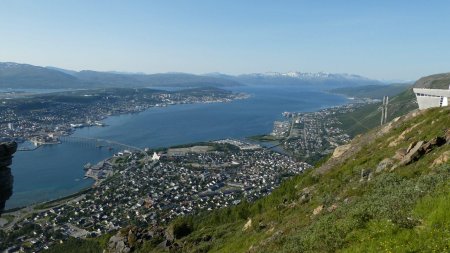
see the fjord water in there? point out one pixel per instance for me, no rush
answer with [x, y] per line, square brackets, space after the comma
[57, 170]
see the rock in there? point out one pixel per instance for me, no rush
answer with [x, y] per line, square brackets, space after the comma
[6, 186]
[369, 177]
[338, 151]
[433, 143]
[306, 195]
[420, 148]
[385, 164]
[402, 136]
[399, 154]
[304, 199]
[247, 225]
[131, 239]
[117, 244]
[442, 159]
[413, 153]
[332, 208]
[169, 233]
[7, 149]
[411, 146]
[447, 136]
[364, 174]
[318, 210]
[165, 244]
[261, 225]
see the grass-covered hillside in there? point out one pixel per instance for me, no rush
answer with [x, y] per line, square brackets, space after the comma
[368, 116]
[388, 191]
[372, 91]
[438, 81]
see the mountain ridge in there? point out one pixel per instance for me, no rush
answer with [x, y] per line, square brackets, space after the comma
[17, 75]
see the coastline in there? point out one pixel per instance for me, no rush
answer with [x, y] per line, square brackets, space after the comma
[96, 181]
[120, 114]
[50, 138]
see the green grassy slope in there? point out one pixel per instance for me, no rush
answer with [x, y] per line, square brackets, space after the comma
[344, 205]
[438, 81]
[372, 91]
[368, 117]
[404, 210]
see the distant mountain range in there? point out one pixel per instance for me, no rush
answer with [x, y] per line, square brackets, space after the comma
[15, 75]
[305, 78]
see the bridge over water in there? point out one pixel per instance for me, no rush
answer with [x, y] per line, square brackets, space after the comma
[97, 142]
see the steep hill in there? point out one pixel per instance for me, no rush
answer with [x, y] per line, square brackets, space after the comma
[389, 191]
[369, 116]
[438, 81]
[372, 91]
[14, 75]
[162, 80]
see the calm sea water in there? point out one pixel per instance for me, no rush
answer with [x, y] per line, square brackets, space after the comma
[57, 170]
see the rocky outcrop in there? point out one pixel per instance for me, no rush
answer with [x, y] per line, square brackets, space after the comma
[247, 225]
[442, 159]
[318, 210]
[7, 150]
[338, 151]
[447, 136]
[413, 153]
[416, 150]
[306, 194]
[117, 243]
[402, 136]
[385, 164]
[128, 239]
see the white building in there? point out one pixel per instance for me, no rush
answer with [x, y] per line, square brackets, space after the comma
[155, 157]
[427, 98]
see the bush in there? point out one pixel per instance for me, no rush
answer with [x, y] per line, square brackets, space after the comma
[182, 228]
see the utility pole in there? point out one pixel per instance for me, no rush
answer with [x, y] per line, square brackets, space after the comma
[384, 110]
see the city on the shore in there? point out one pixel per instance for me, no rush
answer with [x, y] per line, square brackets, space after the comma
[142, 187]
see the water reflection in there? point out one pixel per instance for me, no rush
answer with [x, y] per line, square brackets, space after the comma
[7, 150]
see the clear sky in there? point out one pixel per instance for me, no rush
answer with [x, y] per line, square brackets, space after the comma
[378, 39]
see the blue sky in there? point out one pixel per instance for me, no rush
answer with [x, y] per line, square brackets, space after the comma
[377, 39]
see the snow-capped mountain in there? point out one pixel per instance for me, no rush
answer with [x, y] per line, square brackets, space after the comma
[302, 78]
[308, 75]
